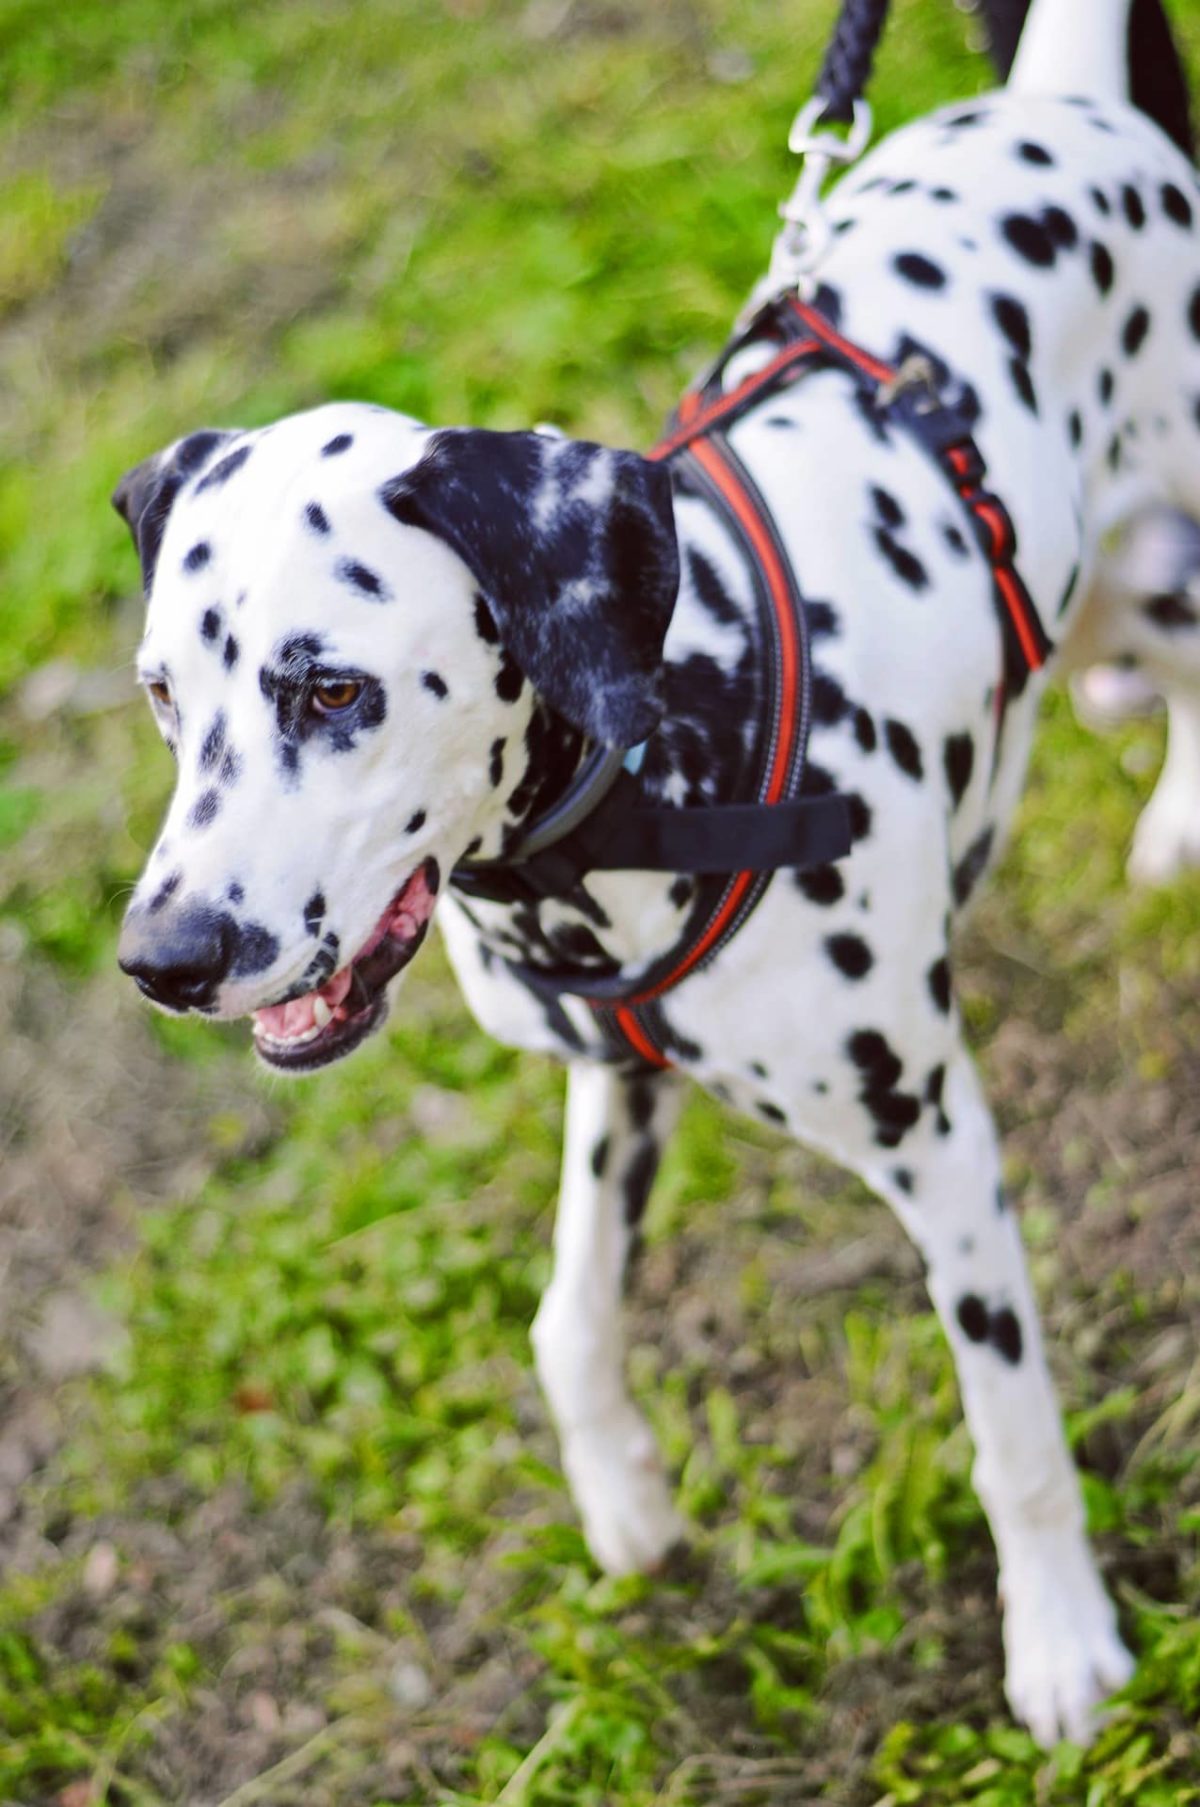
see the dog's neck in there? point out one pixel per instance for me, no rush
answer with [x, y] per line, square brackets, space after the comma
[624, 921]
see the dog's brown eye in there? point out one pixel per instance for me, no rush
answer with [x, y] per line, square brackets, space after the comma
[160, 690]
[336, 694]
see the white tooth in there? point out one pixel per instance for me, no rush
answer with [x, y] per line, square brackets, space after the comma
[322, 1014]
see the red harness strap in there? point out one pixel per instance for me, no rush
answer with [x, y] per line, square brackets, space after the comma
[789, 729]
[947, 436]
[635, 1023]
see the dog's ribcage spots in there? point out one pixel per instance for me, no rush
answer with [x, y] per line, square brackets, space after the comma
[213, 744]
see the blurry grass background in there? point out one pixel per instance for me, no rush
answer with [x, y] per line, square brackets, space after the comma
[280, 1519]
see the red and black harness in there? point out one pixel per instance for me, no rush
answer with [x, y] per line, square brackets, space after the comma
[736, 848]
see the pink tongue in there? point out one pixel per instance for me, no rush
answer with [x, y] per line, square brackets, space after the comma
[283, 1021]
[402, 918]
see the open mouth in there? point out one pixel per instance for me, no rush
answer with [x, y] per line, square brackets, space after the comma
[321, 1026]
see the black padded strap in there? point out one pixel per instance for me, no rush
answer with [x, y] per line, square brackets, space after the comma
[715, 838]
[723, 837]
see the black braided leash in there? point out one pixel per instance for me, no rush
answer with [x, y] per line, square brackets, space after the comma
[1159, 84]
[847, 66]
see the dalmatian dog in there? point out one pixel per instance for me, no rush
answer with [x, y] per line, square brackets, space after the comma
[376, 648]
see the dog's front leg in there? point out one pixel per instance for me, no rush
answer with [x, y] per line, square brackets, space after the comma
[1063, 1654]
[616, 1127]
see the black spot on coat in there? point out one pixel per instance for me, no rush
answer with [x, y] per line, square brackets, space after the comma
[1100, 259]
[920, 270]
[1013, 322]
[880, 1070]
[1005, 1335]
[204, 809]
[902, 746]
[864, 730]
[1022, 382]
[822, 619]
[485, 625]
[213, 744]
[828, 699]
[938, 978]
[224, 469]
[1175, 204]
[361, 578]
[1029, 239]
[509, 680]
[1131, 202]
[255, 950]
[958, 760]
[1133, 333]
[970, 868]
[905, 564]
[999, 1328]
[973, 1317]
[821, 884]
[1062, 229]
[850, 954]
[638, 1180]
[887, 507]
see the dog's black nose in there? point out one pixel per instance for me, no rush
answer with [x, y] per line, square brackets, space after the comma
[178, 958]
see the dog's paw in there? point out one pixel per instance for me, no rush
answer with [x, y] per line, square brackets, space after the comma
[617, 1481]
[1166, 840]
[1063, 1657]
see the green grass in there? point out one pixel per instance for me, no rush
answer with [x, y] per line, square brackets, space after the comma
[315, 1450]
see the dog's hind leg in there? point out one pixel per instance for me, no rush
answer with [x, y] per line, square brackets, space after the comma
[1063, 1655]
[617, 1124]
[1166, 840]
[1144, 612]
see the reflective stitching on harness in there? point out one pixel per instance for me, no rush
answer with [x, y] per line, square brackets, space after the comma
[789, 722]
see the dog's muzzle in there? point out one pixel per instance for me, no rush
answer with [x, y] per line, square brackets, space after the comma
[178, 958]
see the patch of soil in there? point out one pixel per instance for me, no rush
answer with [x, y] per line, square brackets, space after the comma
[95, 1126]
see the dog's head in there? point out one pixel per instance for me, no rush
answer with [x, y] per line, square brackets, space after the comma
[351, 620]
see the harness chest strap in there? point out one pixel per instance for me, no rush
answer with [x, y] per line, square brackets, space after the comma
[636, 1023]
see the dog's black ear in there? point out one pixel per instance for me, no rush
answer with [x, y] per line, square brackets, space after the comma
[144, 495]
[574, 549]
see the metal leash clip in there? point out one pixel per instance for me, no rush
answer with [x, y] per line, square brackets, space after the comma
[806, 234]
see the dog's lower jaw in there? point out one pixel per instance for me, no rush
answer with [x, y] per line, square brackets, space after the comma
[317, 1027]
